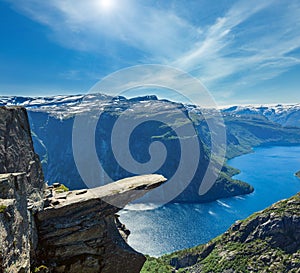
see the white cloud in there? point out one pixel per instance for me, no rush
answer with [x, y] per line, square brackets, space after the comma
[262, 55]
[84, 25]
[237, 47]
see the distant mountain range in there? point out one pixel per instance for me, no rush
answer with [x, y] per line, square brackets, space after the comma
[286, 115]
[52, 119]
[65, 106]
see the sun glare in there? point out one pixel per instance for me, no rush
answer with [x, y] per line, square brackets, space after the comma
[106, 4]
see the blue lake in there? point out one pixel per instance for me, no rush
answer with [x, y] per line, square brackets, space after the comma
[270, 170]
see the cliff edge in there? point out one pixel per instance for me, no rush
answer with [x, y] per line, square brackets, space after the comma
[45, 230]
[21, 188]
[78, 230]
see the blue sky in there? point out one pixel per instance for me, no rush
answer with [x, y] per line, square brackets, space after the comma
[244, 52]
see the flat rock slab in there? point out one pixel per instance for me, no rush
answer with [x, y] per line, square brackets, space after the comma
[79, 232]
[118, 194]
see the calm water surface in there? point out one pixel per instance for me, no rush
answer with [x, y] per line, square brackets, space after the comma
[176, 226]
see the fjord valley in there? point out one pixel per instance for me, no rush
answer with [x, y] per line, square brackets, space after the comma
[51, 120]
[52, 123]
[149, 136]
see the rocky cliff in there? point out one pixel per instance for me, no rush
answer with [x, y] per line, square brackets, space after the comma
[78, 231]
[267, 241]
[21, 188]
[16, 148]
[16, 240]
[47, 229]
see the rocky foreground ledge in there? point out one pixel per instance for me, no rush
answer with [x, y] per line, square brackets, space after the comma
[42, 230]
[78, 231]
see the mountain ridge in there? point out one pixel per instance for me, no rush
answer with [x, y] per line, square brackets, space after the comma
[287, 115]
[266, 241]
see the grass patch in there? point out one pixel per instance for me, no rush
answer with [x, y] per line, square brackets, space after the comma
[41, 268]
[154, 265]
[62, 188]
[3, 208]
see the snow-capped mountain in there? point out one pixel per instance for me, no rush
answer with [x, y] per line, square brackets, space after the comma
[62, 106]
[59, 106]
[285, 115]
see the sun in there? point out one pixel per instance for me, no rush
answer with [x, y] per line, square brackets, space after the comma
[106, 4]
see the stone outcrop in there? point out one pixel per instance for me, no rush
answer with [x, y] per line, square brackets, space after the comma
[16, 148]
[78, 231]
[267, 241]
[15, 239]
[21, 183]
[43, 229]
[279, 225]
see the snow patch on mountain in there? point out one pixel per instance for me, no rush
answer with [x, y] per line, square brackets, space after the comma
[63, 106]
[287, 115]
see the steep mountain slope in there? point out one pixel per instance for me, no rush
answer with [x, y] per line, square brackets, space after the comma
[21, 184]
[267, 241]
[16, 147]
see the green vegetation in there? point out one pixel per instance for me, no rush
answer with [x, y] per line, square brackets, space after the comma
[153, 265]
[41, 268]
[248, 257]
[62, 188]
[230, 171]
[3, 208]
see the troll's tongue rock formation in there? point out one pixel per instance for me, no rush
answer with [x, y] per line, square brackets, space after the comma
[69, 232]
[78, 232]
